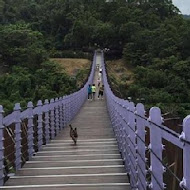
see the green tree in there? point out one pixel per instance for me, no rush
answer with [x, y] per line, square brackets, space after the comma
[21, 46]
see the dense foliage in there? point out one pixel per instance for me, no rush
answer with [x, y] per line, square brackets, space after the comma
[158, 46]
[30, 76]
[152, 36]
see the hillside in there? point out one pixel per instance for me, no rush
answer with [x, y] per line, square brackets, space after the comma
[72, 65]
[151, 37]
[77, 68]
[186, 16]
[120, 76]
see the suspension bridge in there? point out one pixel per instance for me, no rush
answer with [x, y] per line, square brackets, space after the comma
[111, 150]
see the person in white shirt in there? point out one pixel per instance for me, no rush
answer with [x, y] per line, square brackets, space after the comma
[98, 81]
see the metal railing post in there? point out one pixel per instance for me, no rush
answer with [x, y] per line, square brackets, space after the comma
[1, 146]
[156, 168]
[52, 119]
[126, 134]
[185, 136]
[61, 113]
[141, 146]
[40, 125]
[132, 142]
[30, 130]
[57, 116]
[18, 145]
[47, 123]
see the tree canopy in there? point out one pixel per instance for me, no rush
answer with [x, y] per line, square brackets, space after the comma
[150, 35]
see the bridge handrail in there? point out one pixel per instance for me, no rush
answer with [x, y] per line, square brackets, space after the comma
[52, 116]
[129, 123]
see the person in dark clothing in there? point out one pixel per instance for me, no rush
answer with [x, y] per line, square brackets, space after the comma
[101, 92]
[89, 92]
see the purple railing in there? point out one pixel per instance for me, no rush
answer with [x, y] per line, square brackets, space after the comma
[50, 118]
[129, 123]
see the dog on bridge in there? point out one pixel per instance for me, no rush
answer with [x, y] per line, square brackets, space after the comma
[73, 134]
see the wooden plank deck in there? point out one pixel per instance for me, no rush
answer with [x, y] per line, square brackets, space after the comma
[93, 164]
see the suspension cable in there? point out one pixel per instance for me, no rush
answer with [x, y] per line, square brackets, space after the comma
[162, 127]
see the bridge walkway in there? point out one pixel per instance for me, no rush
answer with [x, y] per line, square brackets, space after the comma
[93, 164]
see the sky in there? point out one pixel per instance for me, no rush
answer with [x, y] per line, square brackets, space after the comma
[183, 5]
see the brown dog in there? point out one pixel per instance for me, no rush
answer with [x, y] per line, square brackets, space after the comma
[73, 134]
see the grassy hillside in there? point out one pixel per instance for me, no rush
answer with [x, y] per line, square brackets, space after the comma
[77, 68]
[120, 76]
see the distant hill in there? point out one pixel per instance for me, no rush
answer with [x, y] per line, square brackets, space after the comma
[186, 16]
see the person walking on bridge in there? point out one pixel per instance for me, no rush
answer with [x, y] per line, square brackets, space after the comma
[98, 81]
[93, 91]
[101, 92]
[89, 92]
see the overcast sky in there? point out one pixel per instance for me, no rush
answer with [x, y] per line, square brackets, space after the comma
[183, 5]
